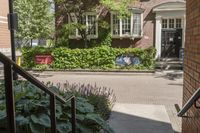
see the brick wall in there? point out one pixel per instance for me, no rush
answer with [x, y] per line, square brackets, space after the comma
[192, 65]
[148, 38]
[4, 32]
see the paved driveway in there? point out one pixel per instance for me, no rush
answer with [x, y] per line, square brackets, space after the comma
[149, 89]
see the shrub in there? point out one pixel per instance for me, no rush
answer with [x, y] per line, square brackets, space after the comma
[29, 54]
[95, 58]
[32, 111]
[102, 98]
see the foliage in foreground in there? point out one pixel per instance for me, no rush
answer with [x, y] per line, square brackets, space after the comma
[33, 114]
[102, 98]
[95, 58]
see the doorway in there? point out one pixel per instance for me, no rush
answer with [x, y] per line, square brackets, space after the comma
[171, 43]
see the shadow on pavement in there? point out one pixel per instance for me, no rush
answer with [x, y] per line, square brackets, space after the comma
[171, 76]
[125, 123]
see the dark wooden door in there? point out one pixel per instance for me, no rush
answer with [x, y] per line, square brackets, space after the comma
[171, 43]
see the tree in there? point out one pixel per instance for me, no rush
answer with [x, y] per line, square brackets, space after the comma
[35, 19]
[78, 8]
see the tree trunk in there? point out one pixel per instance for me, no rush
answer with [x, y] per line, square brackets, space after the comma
[31, 42]
[85, 43]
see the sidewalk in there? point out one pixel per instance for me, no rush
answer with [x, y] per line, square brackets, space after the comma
[160, 90]
[139, 118]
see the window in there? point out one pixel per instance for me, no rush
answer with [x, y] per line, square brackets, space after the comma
[73, 20]
[126, 27]
[171, 23]
[116, 25]
[137, 24]
[91, 24]
[178, 23]
[164, 23]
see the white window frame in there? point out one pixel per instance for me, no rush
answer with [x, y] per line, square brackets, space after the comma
[175, 27]
[181, 23]
[77, 36]
[120, 23]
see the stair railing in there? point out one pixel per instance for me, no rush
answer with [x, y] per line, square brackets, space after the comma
[192, 101]
[9, 68]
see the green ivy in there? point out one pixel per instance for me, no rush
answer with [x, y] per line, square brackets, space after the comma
[29, 54]
[94, 58]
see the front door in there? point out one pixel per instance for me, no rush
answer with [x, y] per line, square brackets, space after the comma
[171, 43]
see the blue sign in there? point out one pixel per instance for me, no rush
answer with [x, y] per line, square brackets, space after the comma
[127, 60]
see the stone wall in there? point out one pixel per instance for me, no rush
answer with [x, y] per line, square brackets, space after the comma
[192, 65]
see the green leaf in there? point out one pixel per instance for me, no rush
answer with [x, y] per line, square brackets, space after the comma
[21, 120]
[97, 119]
[2, 115]
[84, 106]
[63, 127]
[41, 119]
[41, 103]
[80, 117]
[84, 129]
[58, 111]
[36, 128]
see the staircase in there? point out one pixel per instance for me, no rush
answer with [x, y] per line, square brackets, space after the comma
[7, 67]
[169, 64]
[7, 54]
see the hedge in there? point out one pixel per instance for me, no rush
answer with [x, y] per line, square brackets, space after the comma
[95, 58]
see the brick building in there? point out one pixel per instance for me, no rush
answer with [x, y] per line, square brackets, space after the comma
[4, 32]
[158, 23]
[191, 124]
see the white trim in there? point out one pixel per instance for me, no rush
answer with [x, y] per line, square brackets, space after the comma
[158, 36]
[131, 23]
[168, 15]
[142, 23]
[174, 18]
[169, 9]
[184, 29]
[120, 29]
[170, 6]
[111, 24]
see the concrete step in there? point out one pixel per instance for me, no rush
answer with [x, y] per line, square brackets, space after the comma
[169, 65]
[168, 59]
[169, 62]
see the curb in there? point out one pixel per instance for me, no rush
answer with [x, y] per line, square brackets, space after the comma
[91, 72]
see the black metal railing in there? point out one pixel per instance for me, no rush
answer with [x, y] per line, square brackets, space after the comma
[192, 101]
[9, 68]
